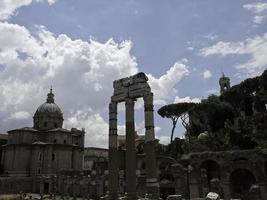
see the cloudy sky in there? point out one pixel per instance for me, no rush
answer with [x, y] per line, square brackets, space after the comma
[80, 47]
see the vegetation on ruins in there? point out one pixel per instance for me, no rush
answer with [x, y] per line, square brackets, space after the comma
[237, 119]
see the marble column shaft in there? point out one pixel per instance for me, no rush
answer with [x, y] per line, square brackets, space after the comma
[130, 150]
[113, 176]
[151, 164]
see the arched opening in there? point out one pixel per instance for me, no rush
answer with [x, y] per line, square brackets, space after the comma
[143, 166]
[40, 156]
[240, 182]
[166, 179]
[225, 86]
[209, 170]
[53, 157]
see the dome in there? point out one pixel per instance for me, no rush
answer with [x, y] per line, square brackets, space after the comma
[48, 115]
[203, 136]
[48, 107]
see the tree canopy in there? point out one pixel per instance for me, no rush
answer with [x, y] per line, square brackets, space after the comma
[174, 112]
[235, 119]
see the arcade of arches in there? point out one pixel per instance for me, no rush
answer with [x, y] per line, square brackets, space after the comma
[233, 174]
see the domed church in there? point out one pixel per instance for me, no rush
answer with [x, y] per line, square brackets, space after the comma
[44, 149]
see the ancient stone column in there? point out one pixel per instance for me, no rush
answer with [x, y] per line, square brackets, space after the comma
[113, 176]
[151, 164]
[130, 151]
[225, 186]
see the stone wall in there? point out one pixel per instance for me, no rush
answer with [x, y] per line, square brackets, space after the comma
[228, 173]
[94, 156]
[26, 159]
[9, 185]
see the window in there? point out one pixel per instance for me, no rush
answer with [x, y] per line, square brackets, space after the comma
[55, 124]
[64, 142]
[45, 124]
[55, 141]
[40, 156]
[53, 157]
[39, 171]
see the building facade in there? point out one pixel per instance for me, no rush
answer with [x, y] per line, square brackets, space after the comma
[43, 150]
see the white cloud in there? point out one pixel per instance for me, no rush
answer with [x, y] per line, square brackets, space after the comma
[258, 19]
[9, 7]
[212, 91]
[211, 36]
[164, 86]
[186, 99]
[20, 115]
[164, 139]
[258, 9]
[207, 74]
[223, 48]
[50, 2]
[190, 48]
[96, 127]
[81, 72]
[255, 48]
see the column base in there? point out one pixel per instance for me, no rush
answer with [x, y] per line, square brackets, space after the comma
[153, 196]
[152, 187]
[111, 196]
[131, 196]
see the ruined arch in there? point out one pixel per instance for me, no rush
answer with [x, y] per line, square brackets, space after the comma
[166, 178]
[212, 167]
[256, 170]
[209, 171]
[240, 182]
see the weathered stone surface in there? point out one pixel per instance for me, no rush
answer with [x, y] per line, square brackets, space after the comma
[128, 89]
[42, 150]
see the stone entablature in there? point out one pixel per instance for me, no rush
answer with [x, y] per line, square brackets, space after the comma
[131, 87]
[29, 135]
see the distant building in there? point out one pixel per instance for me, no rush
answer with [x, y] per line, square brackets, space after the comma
[121, 139]
[224, 83]
[41, 151]
[95, 158]
[3, 141]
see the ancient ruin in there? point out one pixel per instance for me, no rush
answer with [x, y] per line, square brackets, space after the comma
[223, 153]
[128, 90]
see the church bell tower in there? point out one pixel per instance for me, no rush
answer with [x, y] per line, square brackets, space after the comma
[224, 83]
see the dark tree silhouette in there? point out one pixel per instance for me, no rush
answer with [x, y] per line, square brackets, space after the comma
[176, 111]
